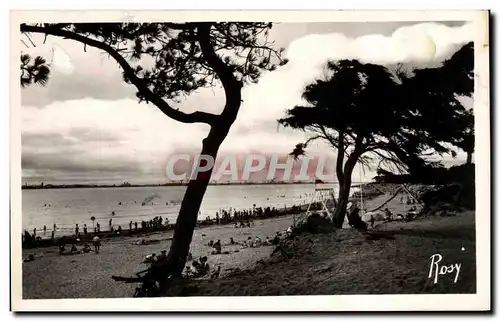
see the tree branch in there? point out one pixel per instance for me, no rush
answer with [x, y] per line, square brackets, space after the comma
[353, 157]
[232, 87]
[195, 117]
[323, 130]
[310, 139]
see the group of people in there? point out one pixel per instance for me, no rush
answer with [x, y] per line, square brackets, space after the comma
[199, 268]
[85, 248]
[154, 224]
[242, 224]
[248, 243]
[238, 217]
[44, 231]
[151, 225]
[257, 242]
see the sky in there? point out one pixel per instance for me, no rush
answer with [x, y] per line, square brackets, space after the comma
[86, 125]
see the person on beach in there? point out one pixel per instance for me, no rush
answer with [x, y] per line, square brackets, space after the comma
[218, 248]
[119, 230]
[52, 236]
[44, 229]
[244, 245]
[413, 210]
[268, 241]
[34, 233]
[98, 226]
[150, 258]
[86, 248]
[258, 242]
[388, 214]
[111, 221]
[250, 242]
[355, 219]
[231, 241]
[55, 226]
[163, 256]
[30, 258]
[189, 272]
[97, 243]
[85, 229]
[203, 266]
[130, 226]
[76, 230]
[136, 226]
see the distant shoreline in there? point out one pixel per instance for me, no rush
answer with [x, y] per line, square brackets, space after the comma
[64, 186]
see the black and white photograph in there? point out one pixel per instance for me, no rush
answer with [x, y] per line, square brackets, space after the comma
[323, 160]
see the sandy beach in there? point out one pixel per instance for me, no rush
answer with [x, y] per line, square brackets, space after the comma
[88, 275]
[339, 262]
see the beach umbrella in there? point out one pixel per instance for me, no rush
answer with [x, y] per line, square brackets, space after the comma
[92, 219]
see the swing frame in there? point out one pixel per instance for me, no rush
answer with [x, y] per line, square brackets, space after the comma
[318, 191]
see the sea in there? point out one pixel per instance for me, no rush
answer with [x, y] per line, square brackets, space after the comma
[70, 206]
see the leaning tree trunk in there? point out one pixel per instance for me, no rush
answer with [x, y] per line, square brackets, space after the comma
[345, 185]
[190, 207]
[340, 210]
[188, 214]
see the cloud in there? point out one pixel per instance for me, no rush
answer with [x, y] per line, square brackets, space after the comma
[76, 125]
[420, 43]
[280, 90]
[75, 73]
